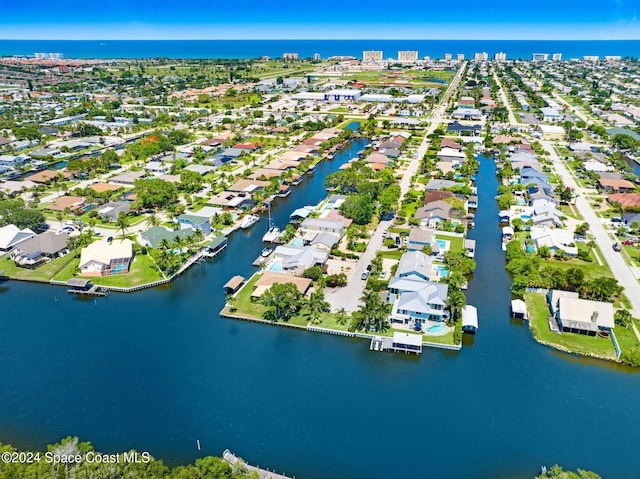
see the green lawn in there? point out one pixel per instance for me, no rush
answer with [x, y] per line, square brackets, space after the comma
[444, 339]
[45, 272]
[143, 270]
[244, 305]
[577, 343]
[392, 254]
[591, 269]
[455, 242]
[627, 339]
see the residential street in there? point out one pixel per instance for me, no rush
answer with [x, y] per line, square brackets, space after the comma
[349, 296]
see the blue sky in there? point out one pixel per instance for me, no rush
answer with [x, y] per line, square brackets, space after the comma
[326, 19]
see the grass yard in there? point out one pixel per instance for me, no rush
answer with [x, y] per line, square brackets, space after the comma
[577, 343]
[244, 305]
[455, 242]
[45, 272]
[143, 270]
[591, 269]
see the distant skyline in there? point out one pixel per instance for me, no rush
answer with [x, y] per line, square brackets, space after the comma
[333, 19]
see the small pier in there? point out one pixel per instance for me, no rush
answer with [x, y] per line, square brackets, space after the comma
[232, 459]
[400, 343]
[233, 284]
[83, 286]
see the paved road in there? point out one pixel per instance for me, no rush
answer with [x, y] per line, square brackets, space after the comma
[620, 269]
[349, 296]
[505, 100]
[616, 261]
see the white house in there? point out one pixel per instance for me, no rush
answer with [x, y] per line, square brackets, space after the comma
[11, 235]
[103, 258]
[425, 304]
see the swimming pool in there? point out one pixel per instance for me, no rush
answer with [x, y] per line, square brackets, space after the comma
[442, 270]
[443, 244]
[437, 328]
[297, 242]
[530, 248]
[525, 217]
[276, 267]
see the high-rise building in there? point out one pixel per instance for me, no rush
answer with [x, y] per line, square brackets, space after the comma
[556, 57]
[289, 56]
[316, 57]
[500, 56]
[591, 58]
[372, 56]
[460, 57]
[613, 58]
[540, 57]
[447, 57]
[481, 56]
[407, 56]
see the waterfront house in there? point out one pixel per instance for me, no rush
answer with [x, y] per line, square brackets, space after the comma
[436, 195]
[324, 241]
[248, 186]
[195, 222]
[230, 200]
[40, 248]
[554, 295]
[320, 225]
[420, 237]
[555, 239]
[104, 258]
[457, 128]
[415, 265]
[11, 236]
[154, 235]
[434, 185]
[295, 259]
[427, 303]
[616, 186]
[583, 316]
[625, 199]
[269, 278]
[432, 214]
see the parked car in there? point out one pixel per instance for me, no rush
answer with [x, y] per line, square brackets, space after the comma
[393, 246]
[617, 247]
[365, 275]
[397, 240]
[368, 267]
[628, 242]
[109, 239]
[385, 233]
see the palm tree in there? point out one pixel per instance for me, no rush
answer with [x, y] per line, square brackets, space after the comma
[341, 316]
[153, 220]
[590, 245]
[123, 223]
[456, 301]
[179, 243]
[374, 310]
[231, 302]
[317, 305]
[164, 244]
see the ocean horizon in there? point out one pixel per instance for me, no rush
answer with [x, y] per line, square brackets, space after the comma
[130, 49]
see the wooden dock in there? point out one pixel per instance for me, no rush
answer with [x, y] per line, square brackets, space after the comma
[232, 459]
[95, 290]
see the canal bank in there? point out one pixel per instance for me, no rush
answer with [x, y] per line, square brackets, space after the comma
[156, 370]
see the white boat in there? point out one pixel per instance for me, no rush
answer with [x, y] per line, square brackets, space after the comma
[266, 252]
[272, 235]
[248, 221]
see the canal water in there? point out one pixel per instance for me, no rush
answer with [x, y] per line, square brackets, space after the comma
[159, 369]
